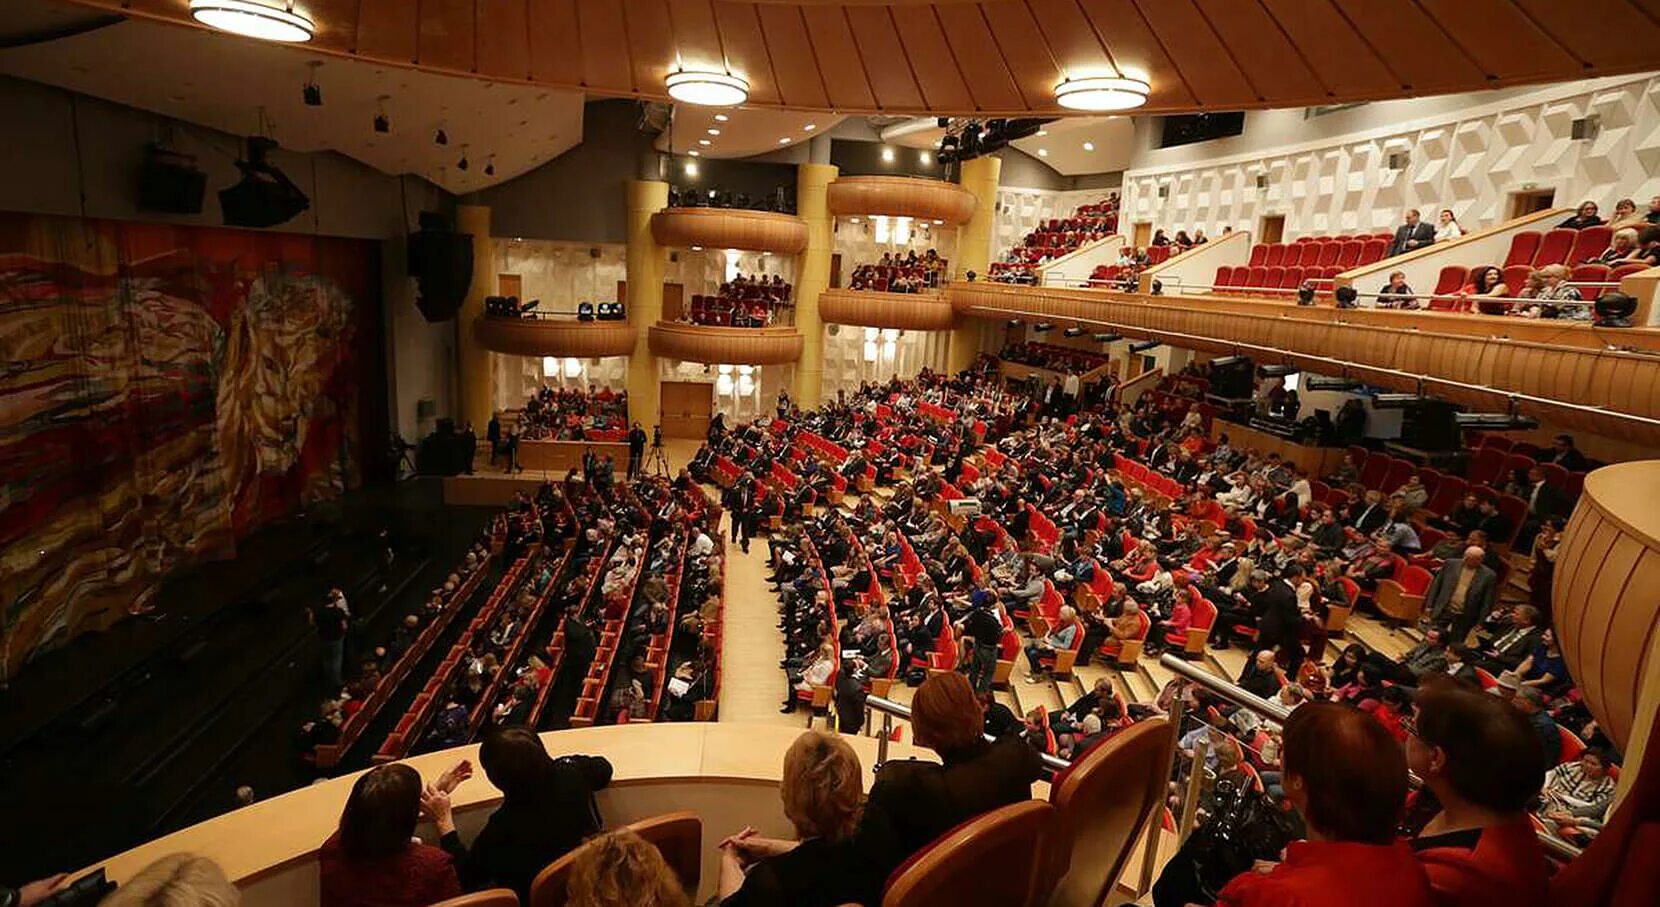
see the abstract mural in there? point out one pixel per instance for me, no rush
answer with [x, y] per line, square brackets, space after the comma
[163, 392]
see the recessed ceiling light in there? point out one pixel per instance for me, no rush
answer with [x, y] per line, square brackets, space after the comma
[853, 220]
[708, 89]
[694, 153]
[704, 142]
[1043, 152]
[784, 141]
[1042, 132]
[1089, 146]
[938, 222]
[691, 168]
[714, 132]
[887, 155]
[720, 117]
[809, 127]
[924, 157]
[1102, 93]
[697, 248]
[254, 19]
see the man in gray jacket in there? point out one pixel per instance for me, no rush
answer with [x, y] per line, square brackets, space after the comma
[1462, 593]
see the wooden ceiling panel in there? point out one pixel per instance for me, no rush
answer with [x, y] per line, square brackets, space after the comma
[696, 40]
[1523, 52]
[1198, 53]
[936, 70]
[447, 34]
[1405, 25]
[888, 63]
[1342, 59]
[1028, 57]
[745, 47]
[503, 48]
[1604, 32]
[1253, 37]
[651, 42]
[845, 77]
[1000, 57]
[1072, 38]
[555, 42]
[387, 30]
[800, 83]
[1134, 48]
[605, 48]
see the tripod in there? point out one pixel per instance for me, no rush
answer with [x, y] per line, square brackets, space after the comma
[657, 463]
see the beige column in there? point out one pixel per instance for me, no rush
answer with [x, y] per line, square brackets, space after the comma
[979, 176]
[473, 363]
[644, 261]
[812, 184]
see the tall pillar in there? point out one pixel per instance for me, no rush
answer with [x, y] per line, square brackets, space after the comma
[979, 176]
[812, 204]
[644, 263]
[477, 403]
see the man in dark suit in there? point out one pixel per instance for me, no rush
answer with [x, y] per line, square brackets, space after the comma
[1371, 515]
[1515, 644]
[1414, 234]
[1278, 618]
[1544, 502]
[1566, 455]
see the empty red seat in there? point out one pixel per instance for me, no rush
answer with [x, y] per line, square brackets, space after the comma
[1259, 254]
[1554, 248]
[1329, 253]
[1276, 255]
[1271, 279]
[1590, 273]
[1374, 250]
[1523, 246]
[1591, 242]
[1258, 277]
[1452, 278]
[1292, 280]
[1224, 278]
[1350, 255]
[1628, 268]
[1515, 277]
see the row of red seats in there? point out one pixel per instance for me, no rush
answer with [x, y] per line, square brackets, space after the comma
[588, 703]
[1321, 252]
[556, 647]
[501, 685]
[657, 648]
[1454, 278]
[431, 698]
[1560, 246]
[327, 756]
[1257, 280]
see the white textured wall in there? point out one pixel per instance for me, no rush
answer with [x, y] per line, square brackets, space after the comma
[1469, 153]
[856, 243]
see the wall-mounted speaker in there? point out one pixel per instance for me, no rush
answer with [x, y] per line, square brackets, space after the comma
[441, 261]
[169, 182]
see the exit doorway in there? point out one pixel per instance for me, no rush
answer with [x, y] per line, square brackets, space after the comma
[1143, 235]
[1531, 201]
[1272, 229]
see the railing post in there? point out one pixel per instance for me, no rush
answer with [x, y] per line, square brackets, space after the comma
[882, 742]
[1150, 855]
[1195, 780]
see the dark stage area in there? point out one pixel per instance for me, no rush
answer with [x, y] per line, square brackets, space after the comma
[121, 736]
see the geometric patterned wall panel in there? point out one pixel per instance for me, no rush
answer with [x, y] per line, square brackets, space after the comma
[1470, 164]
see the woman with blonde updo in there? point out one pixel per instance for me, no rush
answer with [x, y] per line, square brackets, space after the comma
[622, 869]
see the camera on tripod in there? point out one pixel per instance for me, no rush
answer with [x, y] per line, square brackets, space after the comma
[657, 435]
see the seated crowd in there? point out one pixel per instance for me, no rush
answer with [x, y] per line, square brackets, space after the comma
[755, 301]
[780, 200]
[1056, 237]
[1071, 360]
[573, 414]
[907, 273]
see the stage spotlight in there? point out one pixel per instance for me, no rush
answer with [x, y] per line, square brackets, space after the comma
[1145, 345]
[1346, 297]
[441, 138]
[1323, 383]
[1396, 401]
[1043, 327]
[311, 92]
[1614, 310]
[1014, 322]
[1073, 332]
[463, 164]
[584, 311]
[1279, 371]
[1108, 338]
[383, 123]
[490, 166]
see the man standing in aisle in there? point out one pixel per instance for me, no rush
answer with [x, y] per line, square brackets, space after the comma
[636, 449]
[331, 619]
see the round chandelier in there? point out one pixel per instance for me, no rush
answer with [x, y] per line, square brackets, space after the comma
[1098, 93]
[254, 19]
[707, 89]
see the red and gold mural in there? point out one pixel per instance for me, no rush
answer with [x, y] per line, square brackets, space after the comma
[163, 391]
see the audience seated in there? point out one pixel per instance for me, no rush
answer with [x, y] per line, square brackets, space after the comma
[570, 414]
[621, 869]
[373, 860]
[908, 273]
[756, 301]
[1056, 237]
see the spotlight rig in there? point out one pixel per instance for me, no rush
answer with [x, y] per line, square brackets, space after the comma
[966, 140]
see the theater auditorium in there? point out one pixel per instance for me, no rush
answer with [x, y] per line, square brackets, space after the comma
[646, 453]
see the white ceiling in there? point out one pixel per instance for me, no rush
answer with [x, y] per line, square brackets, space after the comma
[220, 81]
[744, 132]
[1061, 144]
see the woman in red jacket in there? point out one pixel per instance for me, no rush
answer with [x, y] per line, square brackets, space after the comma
[373, 859]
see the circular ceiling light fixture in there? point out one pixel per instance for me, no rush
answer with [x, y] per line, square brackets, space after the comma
[255, 19]
[707, 89]
[1102, 93]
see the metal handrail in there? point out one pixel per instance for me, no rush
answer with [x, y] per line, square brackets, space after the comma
[1273, 711]
[891, 710]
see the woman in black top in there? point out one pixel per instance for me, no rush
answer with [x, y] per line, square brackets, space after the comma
[822, 789]
[547, 809]
[914, 802]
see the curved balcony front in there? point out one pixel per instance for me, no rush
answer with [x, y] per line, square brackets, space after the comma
[872, 309]
[901, 196]
[1561, 372]
[727, 773]
[560, 337]
[714, 345]
[729, 228]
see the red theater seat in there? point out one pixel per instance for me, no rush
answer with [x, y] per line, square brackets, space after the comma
[1554, 248]
[1276, 255]
[1590, 243]
[1523, 246]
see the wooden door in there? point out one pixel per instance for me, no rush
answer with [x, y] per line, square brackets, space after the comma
[687, 408]
[1530, 201]
[510, 285]
[674, 299]
[1273, 228]
[1143, 236]
[835, 270]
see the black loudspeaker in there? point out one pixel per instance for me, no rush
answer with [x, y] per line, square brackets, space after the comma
[1234, 378]
[441, 261]
[170, 183]
[266, 196]
[1431, 425]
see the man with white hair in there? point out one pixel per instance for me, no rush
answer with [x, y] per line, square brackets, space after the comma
[1462, 593]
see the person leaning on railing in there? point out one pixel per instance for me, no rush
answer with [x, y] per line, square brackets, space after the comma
[1347, 777]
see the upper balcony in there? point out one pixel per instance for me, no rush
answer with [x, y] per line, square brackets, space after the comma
[716, 344]
[901, 196]
[1562, 372]
[549, 336]
[729, 228]
[872, 309]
